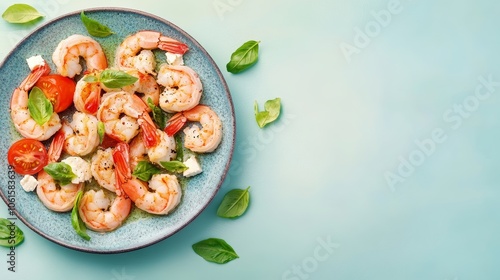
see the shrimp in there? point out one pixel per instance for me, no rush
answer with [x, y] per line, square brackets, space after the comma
[129, 54]
[183, 88]
[138, 151]
[19, 112]
[202, 140]
[87, 95]
[67, 55]
[81, 134]
[100, 214]
[159, 196]
[119, 111]
[103, 169]
[53, 196]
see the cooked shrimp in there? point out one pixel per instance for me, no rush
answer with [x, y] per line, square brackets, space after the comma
[53, 196]
[138, 151]
[67, 55]
[159, 196]
[202, 140]
[81, 134]
[19, 112]
[87, 95]
[183, 88]
[100, 214]
[119, 112]
[103, 169]
[129, 54]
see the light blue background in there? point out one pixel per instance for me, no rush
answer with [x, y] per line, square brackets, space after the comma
[349, 120]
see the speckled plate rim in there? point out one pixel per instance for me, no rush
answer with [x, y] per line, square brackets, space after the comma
[230, 103]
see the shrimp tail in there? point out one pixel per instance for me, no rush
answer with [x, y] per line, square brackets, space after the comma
[175, 124]
[171, 45]
[121, 159]
[56, 146]
[149, 135]
[34, 76]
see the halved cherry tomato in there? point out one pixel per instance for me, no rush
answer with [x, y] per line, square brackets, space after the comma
[58, 89]
[27, 156]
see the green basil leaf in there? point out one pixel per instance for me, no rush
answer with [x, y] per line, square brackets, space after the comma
[90, 79]
[39, 106]
[94, 27]
[179, 150]
[76, 222]
[215, 250]
[271, 113]
[174, 166]
[61, 172]
[234, 203]
[244, 57]
[145, 170]
[21, 13]
[10, 234]
[159, 115]
[101, 130]
[116, 78]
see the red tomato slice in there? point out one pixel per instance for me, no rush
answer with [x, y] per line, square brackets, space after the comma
[27, 156]
[58, 89]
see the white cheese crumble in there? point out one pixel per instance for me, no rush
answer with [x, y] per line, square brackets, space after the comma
[194, 167]
[80, 168]
[29, 183]
[174, 58]
[36, 60]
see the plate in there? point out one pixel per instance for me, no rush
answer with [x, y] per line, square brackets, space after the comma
[140, 230]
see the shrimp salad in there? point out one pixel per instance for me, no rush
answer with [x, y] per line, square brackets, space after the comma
[103, 134]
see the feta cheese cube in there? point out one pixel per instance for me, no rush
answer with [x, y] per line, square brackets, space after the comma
[80, 167]
[194, 167]
[174, 58]
[29, 183]
[36, 60]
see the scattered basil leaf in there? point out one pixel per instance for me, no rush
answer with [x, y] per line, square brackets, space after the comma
[61, 172]
[234, 203]
[174, 166]
[21, 13]
[179, 148]
[215, 250]
[145, 170]
[39, 106]
[272, 111]
[94, 27]
[101, 130]
[7, 228]
[159, 115]
[244, 57]
[116, 78]
[76, 222]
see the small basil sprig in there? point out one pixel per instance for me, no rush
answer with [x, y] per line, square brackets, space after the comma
[215, 250]
[145, 170]
[179, 148]
[76, 222]
[101, 130]
[61, 172]
[244, 57]
[39, 106]
[112, 78]
[234, 203]
[21, 13]
[159, 115]
[174, 166]
[94, 27]
[271, 112]
[10, 234]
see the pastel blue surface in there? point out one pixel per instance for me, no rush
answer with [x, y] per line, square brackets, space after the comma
[383, 164]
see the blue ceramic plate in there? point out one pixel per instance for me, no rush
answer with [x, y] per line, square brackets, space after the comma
[140, 230]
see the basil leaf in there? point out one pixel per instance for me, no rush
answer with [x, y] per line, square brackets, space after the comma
[116, 78]
[90, 79]
[76, 222]
[101, 130]
[244, 57]
[174, 166]
[39, 106]
[61, 172]
[10, 234]
[20, 13]
[145, 170]
[179, 150]
[158, 114]
[271, 113]
[234, 203]
[94, 27]
[215, 250]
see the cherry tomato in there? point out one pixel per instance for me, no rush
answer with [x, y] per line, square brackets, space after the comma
[27, 156]
[58, 89]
